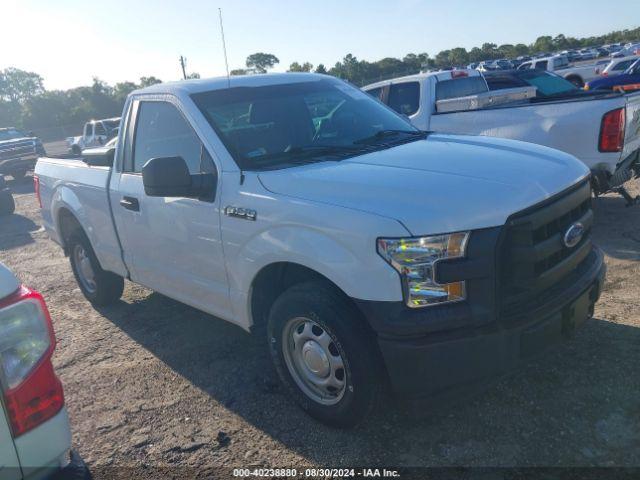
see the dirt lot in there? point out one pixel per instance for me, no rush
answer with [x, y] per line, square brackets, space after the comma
[151, 382]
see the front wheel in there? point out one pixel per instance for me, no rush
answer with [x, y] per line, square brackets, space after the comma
[324, 355]
[97, 285]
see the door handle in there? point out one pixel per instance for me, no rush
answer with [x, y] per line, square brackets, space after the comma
[130, 203]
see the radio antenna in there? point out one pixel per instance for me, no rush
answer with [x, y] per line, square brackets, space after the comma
[224, 48]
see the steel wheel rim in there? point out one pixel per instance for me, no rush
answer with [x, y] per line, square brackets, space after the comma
[84, 268]
[314, 361]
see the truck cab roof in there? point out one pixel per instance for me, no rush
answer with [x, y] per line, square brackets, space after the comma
[188, 87]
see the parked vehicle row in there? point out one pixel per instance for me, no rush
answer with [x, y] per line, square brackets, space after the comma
[367, 252]
[602, 129]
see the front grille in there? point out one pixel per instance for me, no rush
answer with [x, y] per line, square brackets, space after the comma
[18, 149]
[533, 258]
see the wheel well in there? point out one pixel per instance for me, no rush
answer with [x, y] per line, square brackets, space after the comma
[274, 279]
[68, 224]
[575, 79]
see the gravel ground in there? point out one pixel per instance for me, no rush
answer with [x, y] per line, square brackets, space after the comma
[151, 382]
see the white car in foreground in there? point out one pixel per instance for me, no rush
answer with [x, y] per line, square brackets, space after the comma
[35, 440]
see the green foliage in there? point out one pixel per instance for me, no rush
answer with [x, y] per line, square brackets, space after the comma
[296, 67]
[25, 103]
[261, 62]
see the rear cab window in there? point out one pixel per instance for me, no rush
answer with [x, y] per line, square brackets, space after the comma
[404, 98]
[460, 87]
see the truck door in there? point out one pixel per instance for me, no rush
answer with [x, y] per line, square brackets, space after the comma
[171, 244]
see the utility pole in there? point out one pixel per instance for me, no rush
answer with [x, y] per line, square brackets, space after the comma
[183, 62]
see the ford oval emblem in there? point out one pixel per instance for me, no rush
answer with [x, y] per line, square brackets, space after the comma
[573, 235]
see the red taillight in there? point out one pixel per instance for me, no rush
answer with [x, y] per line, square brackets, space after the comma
[32, 391]
[458, 74]
[612, 131]
[36, 188]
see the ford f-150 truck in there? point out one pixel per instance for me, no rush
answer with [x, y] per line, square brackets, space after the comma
[366, 249]
[602, 130]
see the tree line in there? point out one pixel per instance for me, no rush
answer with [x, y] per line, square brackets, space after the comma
[25, 103]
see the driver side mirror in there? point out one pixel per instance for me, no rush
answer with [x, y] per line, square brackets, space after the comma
[170, 177]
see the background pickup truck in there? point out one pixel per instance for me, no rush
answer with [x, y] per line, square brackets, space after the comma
[94, 134]
[579, 75]
[366, 251]
[602, 130]
[18, 152]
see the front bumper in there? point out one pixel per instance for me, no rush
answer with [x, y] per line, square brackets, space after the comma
[445, 362]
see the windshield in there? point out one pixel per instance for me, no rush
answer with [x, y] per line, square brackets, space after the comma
[111, 124]
[275, 126]
[10, 134]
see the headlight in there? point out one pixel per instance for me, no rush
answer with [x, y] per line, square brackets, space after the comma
[415, 260]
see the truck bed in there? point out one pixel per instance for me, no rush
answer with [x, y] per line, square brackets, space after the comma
[571, 125]
[83, 189]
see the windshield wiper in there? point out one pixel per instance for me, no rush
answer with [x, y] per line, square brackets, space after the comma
[309, 153]
[381, 134]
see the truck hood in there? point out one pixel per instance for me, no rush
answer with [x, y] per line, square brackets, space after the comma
[444, 183]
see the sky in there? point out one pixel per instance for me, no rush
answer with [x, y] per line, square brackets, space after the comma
[68, 42]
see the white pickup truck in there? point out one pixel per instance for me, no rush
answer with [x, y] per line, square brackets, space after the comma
[367, 249]
[602, 130]
[94, 134]
[579, 75]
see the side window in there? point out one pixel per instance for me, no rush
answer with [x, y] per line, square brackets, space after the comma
[376, 93]
[623, 65]
[525, 66]
[542, 65]
[404, 98]
[88, 129]
[162, 131]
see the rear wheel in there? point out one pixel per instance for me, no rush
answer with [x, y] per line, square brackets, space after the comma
[97, 285]
[7, 205]
[324, 355]
[75, 149]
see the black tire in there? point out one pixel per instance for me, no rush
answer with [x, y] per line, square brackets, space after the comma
[332, 311]
[577, 81]
[7, 205]
[19, 175]
[108, 286]
[75, 149]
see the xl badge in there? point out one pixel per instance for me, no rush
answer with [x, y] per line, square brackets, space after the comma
[573, 235]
